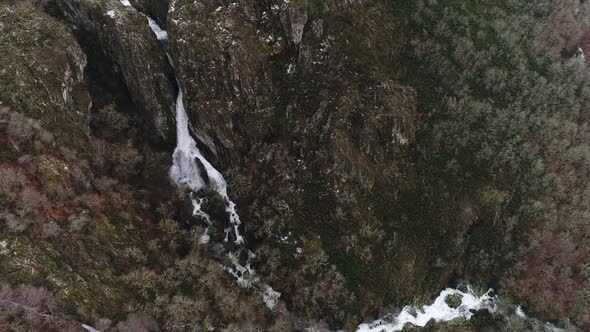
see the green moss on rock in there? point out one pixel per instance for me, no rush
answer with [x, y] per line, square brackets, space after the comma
[41, 72]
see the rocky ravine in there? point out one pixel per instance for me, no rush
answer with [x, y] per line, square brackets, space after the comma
[313, 134]
[306, 107]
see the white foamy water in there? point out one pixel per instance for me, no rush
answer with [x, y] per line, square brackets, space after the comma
[439, 310]
[519, 312]
[160, 34]
[186, 173]
[191, 170]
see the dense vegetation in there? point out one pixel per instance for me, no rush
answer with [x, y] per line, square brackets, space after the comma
[79, 245]
[505, 102]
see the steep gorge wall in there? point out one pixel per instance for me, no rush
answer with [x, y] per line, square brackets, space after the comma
[121, 46]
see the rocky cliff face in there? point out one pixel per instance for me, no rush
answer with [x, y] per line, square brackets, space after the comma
[119, 41]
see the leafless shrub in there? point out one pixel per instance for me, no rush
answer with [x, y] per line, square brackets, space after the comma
[16, 223]
[138, 322]
[20, 128]
[31, 199]
[126, 160]
[77, 222]
[80, 177]
[105, 184]
[136, 255]
[50, 229]
[91, 201]
[46, 137]
[28, 308]
[11, 179]
[281, 324]
[25, 159]
[29, 302]
[69, 154]
[181, 316]
[103, 324]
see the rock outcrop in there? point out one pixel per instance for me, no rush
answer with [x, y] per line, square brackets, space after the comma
[42, 72]
[116, 33]
[156, 9]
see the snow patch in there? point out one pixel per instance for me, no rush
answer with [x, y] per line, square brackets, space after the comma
[111, 13]
[126, 3]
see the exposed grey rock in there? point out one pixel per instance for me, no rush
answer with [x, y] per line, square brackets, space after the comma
[123, 36]
[294, 20]
[157, 9]
[222, 65]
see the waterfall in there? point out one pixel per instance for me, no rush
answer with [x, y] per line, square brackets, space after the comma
[192, 171]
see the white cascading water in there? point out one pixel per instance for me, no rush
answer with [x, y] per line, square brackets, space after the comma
[439, 310]
[192, 171]
[186, 173]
